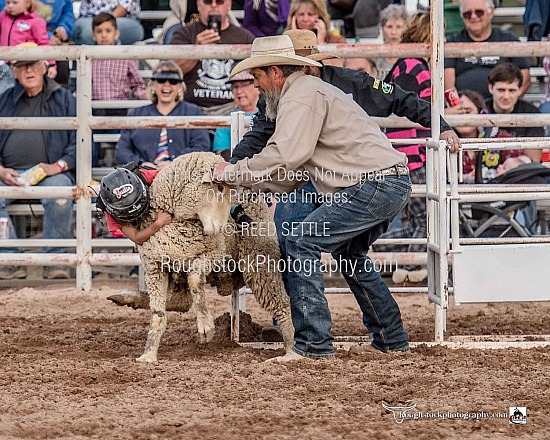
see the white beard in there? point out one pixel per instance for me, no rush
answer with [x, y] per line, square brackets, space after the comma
[272, 103]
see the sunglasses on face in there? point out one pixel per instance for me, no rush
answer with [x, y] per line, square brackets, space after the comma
[172, 82]
[209, 2]
[468, 14]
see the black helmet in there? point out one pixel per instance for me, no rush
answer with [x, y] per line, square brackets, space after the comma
[125, 195]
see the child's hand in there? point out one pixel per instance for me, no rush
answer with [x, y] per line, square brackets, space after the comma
[163, 218]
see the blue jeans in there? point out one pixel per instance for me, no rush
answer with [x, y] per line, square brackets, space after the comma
[296, 211]
[58, 213]
[131, 30]
[349, 224]
[304, 202]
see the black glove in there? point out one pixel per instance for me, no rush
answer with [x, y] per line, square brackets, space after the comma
[240, 217]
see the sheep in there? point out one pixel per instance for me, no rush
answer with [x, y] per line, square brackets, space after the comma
[200, 208]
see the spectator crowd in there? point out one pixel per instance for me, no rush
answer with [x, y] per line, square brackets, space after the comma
[194, 87]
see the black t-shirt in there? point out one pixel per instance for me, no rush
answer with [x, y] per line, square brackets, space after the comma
[26, 148]
[520, 107]
[472, 72]
[207, 81]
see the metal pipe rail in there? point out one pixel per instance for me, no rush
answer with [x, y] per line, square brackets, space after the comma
[84, 121]
[241, 51]
[129, 122]
[66, 242]
[126, 103]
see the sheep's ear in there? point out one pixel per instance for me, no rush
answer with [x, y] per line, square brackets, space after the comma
[207, 177]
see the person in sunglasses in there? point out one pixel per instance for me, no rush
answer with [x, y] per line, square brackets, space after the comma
[158, 147]
[472, 72]
[206, 79]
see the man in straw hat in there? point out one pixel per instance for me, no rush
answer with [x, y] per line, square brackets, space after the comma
[321, 134]
[374, 96]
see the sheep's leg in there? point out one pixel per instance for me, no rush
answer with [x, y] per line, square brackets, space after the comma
[131, 298]
[271, 296]
[286, 326]
[178, 301]
[205, 319]
[158, 287]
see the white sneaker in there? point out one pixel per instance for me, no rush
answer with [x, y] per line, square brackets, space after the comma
[400, 276]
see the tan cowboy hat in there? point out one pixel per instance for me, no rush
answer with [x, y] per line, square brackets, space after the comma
[273, 51]
[303, 39]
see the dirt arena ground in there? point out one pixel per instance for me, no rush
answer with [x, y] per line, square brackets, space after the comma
[67, 370]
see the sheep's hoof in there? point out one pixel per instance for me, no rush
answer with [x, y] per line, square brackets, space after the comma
[131, 298]
[206, 335]
[206, 329]
[147, 358]
[272, 334]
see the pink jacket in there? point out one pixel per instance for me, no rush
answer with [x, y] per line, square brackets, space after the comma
[23, 28]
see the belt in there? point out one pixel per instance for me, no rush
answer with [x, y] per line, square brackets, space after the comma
[396, 170]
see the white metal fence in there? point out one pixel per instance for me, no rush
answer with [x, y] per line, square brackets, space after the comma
[438, 193]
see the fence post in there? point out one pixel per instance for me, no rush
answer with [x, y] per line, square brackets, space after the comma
[438, 233]
[83, 172]
[238, 298]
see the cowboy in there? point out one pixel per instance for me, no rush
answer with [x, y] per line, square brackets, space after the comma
[322, 135]
[374, 96]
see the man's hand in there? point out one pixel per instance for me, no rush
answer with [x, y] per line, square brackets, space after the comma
[453, 142]
[218, 170]
[9, 176]
[208, 36]
[50, 169]
[59, 36]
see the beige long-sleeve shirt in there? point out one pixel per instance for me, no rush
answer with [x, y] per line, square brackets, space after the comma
[321, 133]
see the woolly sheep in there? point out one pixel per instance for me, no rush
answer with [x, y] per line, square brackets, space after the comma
[200, 208]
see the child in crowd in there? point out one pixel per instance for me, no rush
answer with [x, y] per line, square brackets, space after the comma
[20, 24]
[112, 80]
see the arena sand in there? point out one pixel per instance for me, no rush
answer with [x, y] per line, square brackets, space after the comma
[68, 372]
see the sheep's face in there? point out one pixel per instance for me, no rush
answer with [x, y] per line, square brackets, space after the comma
[213, 212]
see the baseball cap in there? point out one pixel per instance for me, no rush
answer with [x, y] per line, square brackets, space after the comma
[245, 75]
[19, 63]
